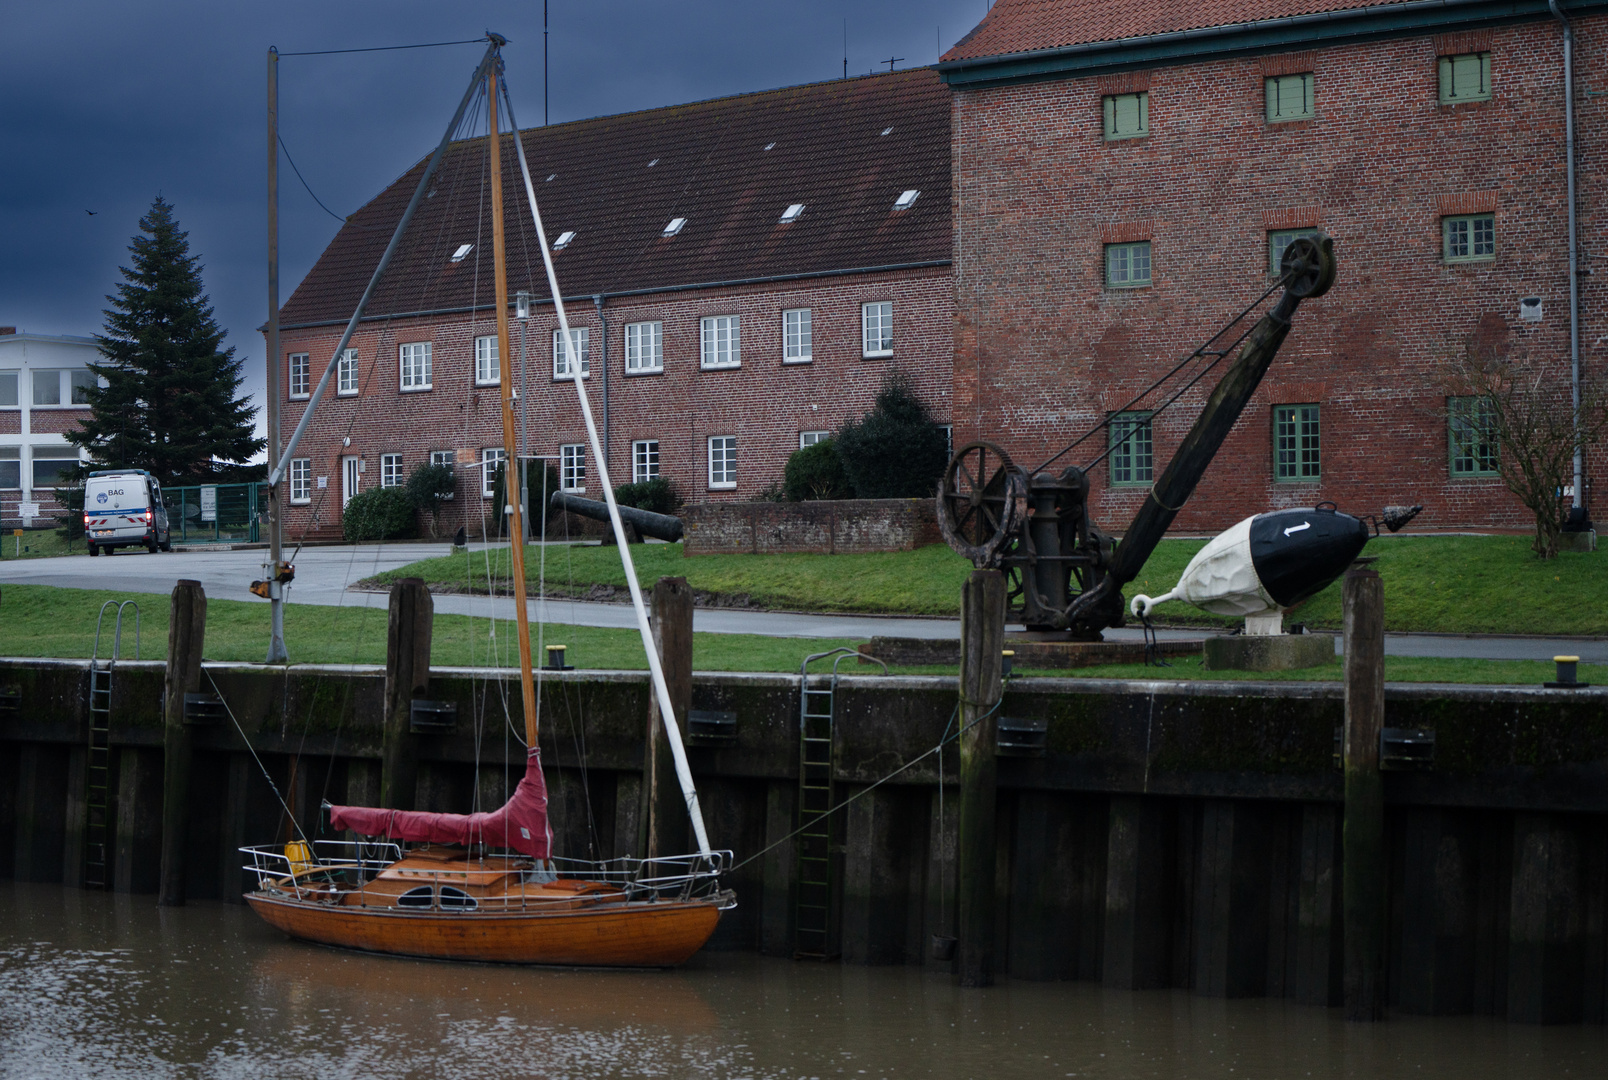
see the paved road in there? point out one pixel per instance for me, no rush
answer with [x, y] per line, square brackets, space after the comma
[323, 575]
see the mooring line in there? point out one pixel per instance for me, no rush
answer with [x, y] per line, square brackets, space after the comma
[253, 752]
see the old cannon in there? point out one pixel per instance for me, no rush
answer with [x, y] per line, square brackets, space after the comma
[664, 527]
[1063, 572]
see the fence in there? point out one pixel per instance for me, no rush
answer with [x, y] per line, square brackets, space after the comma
[215, 513]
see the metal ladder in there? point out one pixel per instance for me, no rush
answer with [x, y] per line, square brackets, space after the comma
[815, 868]
[97, 781]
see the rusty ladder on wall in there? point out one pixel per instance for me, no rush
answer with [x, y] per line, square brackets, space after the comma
[816, 856]
[98, 763]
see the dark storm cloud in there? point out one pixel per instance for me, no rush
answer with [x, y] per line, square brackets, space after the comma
[105, 105]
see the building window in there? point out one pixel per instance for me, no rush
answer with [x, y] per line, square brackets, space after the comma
[300, 376]
[1471, 435]
[346, 374]
[1132, 454]
[301, 480]
[876, 329]
[1127, 266]
[949, 440]
[1127, 116]
[644, 347]
[8, 389]
[810, 438]
[80, 382]
[579, 347]
[1466, 77]
[488, 370]
[10, 468]
[415, 363]
[1297, 454]
[644, 461]
[796, 347]
[491, 458]
[1278, 242]
[572, 467]
[722, 461]
[444, 458]
[390, 470]
[1290, 97]
[47, 388]
[1469, 237]
[721, 342]
[51, 463]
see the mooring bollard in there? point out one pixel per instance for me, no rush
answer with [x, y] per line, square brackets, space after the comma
[1363, 843]
[665, 823]
[982, 632]
[407, 676]
[187, 631]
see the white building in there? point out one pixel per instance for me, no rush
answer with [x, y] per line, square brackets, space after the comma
[44, 380]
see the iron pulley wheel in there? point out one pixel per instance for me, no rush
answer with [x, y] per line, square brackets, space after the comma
[1308, 266]
[982, 502]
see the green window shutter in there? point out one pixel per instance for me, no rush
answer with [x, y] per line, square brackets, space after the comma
[1466, 77]
[1127, 116]
[1290, 97]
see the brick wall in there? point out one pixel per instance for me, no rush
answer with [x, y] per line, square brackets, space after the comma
[1043, 350]
[764, 403]
[825, 527]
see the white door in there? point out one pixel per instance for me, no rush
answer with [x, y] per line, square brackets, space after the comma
[349, 480]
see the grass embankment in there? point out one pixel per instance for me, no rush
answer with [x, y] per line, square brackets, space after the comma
[1433, 584]
[37, 544]
[39, 620]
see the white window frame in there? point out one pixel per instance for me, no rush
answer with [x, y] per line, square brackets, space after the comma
[644, 348]
[16, 388]
[300, 372]
[447, 458]
[580, 339]
[720, 342]
[488, 361]
[877, 313]
[797, 345]
[413, 366]
[644, 460]
[722, 468]
[490, 456]
[346, 374]
[11, 455]
[301, 481]
[390, 470]
[572, 468]
[64, 388]
[810, 438]
[40, 453]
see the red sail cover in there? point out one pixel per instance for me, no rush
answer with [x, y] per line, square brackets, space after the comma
[521, 824]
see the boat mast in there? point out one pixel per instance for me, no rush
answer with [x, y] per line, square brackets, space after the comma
[515, 516]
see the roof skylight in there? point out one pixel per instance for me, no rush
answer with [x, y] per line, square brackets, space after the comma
[652, 163]
[675, 226]
[792, 213]
[550, 178]
[769, 145]
[887, 131]
[463, 249]
[563, 240]
[907, 199]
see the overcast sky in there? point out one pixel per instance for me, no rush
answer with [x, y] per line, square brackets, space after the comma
[105, 105]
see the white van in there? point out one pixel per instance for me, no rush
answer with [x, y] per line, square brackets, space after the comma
[124, 509]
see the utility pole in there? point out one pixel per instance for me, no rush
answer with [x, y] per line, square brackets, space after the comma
[544, 63]
[276, 591]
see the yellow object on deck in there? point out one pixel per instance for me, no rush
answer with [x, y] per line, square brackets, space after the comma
[300, 856]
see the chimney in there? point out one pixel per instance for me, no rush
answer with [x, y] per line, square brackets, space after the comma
[5, 330]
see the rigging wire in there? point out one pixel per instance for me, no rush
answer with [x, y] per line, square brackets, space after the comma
[384, 48]
[252, 750]
[309, 187]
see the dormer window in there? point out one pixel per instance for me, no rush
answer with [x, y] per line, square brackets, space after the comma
[792, 213]
[675, 226]
[463, 250]
[907, 199]
[563, 240]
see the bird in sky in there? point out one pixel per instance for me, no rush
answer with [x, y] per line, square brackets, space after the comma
[91, 213]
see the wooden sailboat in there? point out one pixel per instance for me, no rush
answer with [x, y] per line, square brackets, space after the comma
[485, 886]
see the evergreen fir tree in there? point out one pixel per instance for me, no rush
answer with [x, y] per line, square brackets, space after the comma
[172, 401]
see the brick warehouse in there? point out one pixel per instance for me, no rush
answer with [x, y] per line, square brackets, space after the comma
[750, 268]
[1123, 168]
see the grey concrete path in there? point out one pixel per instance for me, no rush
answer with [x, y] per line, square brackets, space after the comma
[324, 574]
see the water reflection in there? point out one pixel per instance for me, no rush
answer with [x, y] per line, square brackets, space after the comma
[93, 985]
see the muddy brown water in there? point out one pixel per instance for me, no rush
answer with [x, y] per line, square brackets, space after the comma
[93, 985]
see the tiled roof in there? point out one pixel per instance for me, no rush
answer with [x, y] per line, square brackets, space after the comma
[1018, 26]
[731, 167]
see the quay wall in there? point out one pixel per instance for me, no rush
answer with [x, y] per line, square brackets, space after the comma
[1169, 835]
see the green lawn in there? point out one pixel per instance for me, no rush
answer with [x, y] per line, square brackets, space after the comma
[38, 620]
[38, 544]
[1440, 584]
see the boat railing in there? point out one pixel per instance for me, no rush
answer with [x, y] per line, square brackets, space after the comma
[308, 870]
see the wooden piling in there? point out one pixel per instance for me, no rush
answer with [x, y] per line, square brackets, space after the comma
[407, 676]
[665, 822]
[1363, 844]
[982, 633]
[187, 631]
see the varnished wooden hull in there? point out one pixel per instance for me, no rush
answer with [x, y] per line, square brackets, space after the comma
[659, 934]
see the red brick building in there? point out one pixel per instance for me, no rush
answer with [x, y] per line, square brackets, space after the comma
[745, 272]
[1126, 170]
